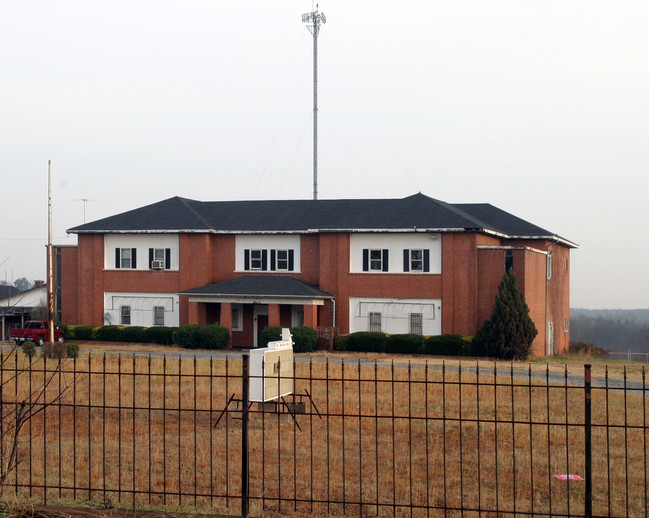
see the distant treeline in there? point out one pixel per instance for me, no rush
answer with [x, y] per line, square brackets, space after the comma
[612, 329]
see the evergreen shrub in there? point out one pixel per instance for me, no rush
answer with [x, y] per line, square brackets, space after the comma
[510, 331]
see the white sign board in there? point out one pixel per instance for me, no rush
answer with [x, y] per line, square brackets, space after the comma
[271, 370]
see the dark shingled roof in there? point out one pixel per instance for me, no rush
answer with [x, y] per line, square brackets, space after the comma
[261, 286]
[416, 211]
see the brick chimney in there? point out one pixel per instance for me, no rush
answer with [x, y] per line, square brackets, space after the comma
[38, 284]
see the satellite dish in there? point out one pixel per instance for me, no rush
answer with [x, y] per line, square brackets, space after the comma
[107, 317]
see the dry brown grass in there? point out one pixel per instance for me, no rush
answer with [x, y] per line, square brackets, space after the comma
[411, 440]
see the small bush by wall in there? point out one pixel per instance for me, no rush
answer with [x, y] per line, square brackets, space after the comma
[29, 348]
[73, 350]
[194, 336]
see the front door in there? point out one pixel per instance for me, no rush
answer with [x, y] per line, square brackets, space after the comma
[260, 313]
[262, 323]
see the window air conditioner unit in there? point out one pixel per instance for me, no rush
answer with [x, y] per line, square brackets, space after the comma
[158, 265]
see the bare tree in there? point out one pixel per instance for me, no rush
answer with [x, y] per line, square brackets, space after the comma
[21, 401]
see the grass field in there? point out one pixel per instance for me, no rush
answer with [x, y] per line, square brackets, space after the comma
[427, 439]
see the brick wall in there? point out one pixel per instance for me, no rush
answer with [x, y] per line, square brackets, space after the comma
[467, 285]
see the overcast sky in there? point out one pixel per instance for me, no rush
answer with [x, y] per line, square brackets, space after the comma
[538, 107]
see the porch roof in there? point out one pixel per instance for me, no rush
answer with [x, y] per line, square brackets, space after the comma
[267, 289]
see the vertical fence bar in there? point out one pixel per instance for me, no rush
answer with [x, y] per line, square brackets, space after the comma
[134, 464]
[45, 430]
[245, 489]
[180, 390]
[588, 499]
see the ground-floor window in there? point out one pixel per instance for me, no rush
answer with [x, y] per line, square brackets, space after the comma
[395, 316]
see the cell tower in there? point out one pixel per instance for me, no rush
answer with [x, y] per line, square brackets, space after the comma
[313, 19]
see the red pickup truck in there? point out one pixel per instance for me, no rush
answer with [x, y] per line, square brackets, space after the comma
[37, 331]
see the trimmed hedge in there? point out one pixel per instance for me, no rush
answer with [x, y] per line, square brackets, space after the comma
[78, 332]
[340, 342]
[366, 341]
[107, 334]
[449, 345]
[404, 344]
[305, 339]
[132, 334]
[160, 335]
[194, 336]
[270, 334]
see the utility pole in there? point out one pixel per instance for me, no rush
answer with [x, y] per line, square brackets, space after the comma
[314, 19]
[50, 276]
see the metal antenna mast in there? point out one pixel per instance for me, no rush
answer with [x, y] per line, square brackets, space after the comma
[314, 19]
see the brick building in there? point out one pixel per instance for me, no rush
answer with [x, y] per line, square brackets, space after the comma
[396, 265]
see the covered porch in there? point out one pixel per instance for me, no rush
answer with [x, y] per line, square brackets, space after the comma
[248, 304]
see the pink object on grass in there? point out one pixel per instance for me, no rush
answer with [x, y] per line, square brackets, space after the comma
[569, 477]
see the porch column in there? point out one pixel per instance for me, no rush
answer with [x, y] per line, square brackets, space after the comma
[226, 319]
[193, 313]
[273, 315]
[311, 316]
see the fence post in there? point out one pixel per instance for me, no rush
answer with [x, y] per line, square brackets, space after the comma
[245, 479]
[588, 498]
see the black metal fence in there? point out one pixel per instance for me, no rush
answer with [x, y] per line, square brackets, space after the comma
[357, 438]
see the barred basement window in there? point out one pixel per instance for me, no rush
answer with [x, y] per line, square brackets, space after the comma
[158, 315]
[375, 322]
[125, 315]
[416, 323]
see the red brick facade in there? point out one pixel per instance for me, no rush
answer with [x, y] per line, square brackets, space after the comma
[472, 266]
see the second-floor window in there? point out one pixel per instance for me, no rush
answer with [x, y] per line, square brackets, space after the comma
[375, 260]
[160, 258]
[416, 260]
[269, 260]
[126, 258]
